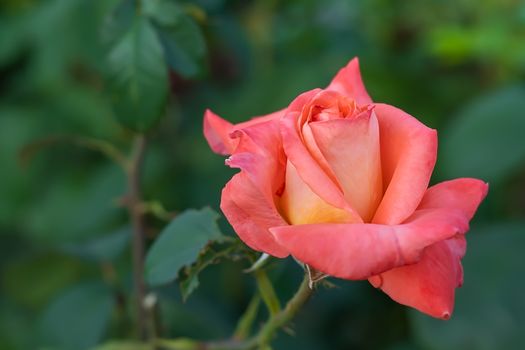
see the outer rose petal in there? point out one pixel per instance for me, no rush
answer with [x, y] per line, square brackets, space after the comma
[251, 215]
[349, 83]
[217, 130]
[307, 167]
[358, 251]
[463, 194]
[248, 200]
[429, 284]
[351, 148]
[408, 156]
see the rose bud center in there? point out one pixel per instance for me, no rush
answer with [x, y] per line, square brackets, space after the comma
[343, 140]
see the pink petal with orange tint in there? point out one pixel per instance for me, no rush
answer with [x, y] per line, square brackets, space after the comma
[408, 155]
[306, 165]
[302, 206]
[217, 131]
[351, 148]
[250, 214]
[359, 251]
[463, 194]
[429, 284]
[248, 200]
[348, 82]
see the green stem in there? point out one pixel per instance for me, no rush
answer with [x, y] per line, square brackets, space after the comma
[261, 340]
[244, 327]
[267, 332]
[102, 146]
[267, 292]
[138, 233]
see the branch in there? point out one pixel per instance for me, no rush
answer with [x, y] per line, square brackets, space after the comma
[281, 319]
[267, 292]
[104, 147]
[244, 326]
[137, 222]
[261, 340]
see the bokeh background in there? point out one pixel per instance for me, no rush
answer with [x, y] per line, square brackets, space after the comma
[457, 65]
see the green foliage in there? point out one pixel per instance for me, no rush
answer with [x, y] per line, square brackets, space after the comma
[179, 344]
[181, 38]
[104, 248]
[179, 244]
[76, 67]
[118, 21]
[486, 138]
[229, 248]
[77, 318]
[139, 77]
[51, 272]
[144, 43]
[487, 315]
[76, 208]
[123, 345]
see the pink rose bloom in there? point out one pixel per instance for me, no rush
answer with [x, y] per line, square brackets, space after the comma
[341, 183]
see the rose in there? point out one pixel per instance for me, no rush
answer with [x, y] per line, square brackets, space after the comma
[340, 183]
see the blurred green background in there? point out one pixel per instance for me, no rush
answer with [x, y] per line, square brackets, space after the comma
[65, 280]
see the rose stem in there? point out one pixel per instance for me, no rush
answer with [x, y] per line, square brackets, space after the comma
[265, 335]
[267, 292]
[282, 318]
[138, 231]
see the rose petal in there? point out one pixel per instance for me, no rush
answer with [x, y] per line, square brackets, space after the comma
[217, 130]
[348, 82]
[248, 200]
[217, 133]
[313, 148]
[358, 251]
[351, 148]
[250, 214]
[306, 165]
[408, 155]
[429, 284]
[328, 102]
[302, 206]
[463, 194]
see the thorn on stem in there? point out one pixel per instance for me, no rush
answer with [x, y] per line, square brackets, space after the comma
[314, 276]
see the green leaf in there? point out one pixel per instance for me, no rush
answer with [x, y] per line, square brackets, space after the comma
[490, 308]
[78, 318]
[139, 77]
[118, 21]
[104, 248]
[181, 38]
[211, 254]
[179, 244]
[486, 138]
